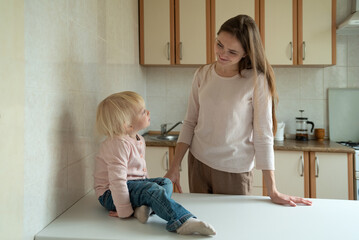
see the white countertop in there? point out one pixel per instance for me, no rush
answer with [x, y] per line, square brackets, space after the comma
[233, 217]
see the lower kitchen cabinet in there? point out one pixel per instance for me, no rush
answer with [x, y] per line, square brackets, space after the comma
[292, 173]
[257, 184]
[329, 175]
[158, 160]
[314, 174]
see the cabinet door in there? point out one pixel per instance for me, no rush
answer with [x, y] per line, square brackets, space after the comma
[155, 26]
[226, 9]
[315, 24]
[191, 38]
[279, 32]
[257, 188]
[329, 175]
[290, 172]
[157, 161]
[184, 174]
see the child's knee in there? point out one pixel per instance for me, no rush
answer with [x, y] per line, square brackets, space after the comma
[167, 181]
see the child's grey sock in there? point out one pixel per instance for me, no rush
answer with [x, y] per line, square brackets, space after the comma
[142, 213]
[193, 226]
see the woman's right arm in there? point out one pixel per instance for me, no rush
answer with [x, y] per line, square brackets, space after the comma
[174, 172]
[186, 135]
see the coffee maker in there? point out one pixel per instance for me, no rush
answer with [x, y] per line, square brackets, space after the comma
[302, 128]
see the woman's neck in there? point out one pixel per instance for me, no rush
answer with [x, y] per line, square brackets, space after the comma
[228, 71]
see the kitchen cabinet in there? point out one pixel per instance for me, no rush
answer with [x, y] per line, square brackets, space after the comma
[158, 160]
[222, 10]
[257, 184]
[314, 174]
[174, 32]
[299, 32]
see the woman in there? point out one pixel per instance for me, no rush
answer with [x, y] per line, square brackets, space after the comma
[230, 120]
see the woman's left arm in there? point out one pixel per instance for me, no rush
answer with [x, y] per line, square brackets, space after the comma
[277, 197]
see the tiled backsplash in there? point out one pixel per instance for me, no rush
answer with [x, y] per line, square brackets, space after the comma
[298, 88]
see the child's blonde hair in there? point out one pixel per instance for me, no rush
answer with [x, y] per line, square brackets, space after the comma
[117, 111]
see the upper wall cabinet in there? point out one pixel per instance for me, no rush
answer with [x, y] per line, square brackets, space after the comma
[299, 32]
[222, 10]
[174, 32]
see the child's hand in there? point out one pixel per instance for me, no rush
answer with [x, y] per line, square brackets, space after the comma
[112, 214]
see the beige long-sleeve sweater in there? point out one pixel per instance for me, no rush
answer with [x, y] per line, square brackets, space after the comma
[228, 124]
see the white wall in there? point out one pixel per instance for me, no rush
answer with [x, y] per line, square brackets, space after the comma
[298, 87]
[62, 58]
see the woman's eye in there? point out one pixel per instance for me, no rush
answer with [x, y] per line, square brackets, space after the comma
[219, 45]
[233, 53]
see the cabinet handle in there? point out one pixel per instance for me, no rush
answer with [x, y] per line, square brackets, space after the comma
[180, 45]
[301, 166]
[291, 51]
[167, 161]
[303, 50]
[168, 51]
[316, 167]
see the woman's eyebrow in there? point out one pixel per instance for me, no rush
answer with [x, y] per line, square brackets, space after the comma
[232, 50]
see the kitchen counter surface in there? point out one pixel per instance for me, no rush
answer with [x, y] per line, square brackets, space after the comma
[286, 145]
[233, 217]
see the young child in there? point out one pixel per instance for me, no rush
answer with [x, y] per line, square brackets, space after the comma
[121, 182]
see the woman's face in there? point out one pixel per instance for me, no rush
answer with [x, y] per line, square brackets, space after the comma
[228, 49]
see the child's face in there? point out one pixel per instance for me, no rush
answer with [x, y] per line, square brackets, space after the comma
[142, 120]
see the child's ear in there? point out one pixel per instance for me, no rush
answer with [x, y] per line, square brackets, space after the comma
[128, 127]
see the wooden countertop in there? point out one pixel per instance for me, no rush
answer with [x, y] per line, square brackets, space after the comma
[286, 145]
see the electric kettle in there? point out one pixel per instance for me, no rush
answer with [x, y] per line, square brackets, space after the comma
[302, 128]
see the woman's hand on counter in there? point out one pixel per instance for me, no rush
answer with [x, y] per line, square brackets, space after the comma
[280, 198]
[174, 175]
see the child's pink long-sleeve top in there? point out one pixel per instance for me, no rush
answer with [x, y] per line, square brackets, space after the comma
[120, 158]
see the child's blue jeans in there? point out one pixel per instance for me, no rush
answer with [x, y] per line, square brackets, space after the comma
[155, 193]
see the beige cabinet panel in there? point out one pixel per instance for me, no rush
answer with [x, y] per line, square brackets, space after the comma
[225, 9]
[184, 174]
[332, 175]
[156, 31]
[192, 30]
[279, 31]
[257, 187]
[317, 32]
[157, 161]
[289, 172]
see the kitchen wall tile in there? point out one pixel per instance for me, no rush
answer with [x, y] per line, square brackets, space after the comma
[353, 51]
[335, 77]
[176, 110]
[83, 77]
[353, 77]
[342, 50]
[157, 108]
[46, 33]
[312, 83]
[83, 44]
[49, 77]
[288, 82]
[287, 111]
[315, 111]
[157, 81]
[84, 13]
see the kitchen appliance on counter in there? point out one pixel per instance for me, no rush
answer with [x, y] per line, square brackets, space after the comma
[344, 123]
[301, 133]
